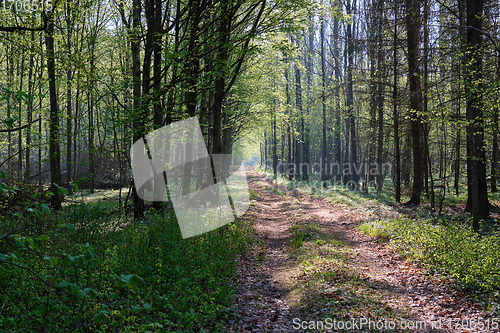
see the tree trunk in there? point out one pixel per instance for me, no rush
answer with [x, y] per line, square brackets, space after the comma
[380, 96]
[54, 148]
[289, 119]
[299, 151]
[353, 157]
[139, 117]
[324, 164]
[495, 153]
[395, 114]
[412, 30]
[31, 92]
[475, 128]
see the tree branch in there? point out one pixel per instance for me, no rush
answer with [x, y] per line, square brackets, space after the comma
[18, 128]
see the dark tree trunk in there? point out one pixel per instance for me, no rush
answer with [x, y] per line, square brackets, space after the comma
[69, 97]
[337, 142]
[324, 142]
[351, 120]
[223, 38]
[54, 148]
[380, 96]
[139, 117]
[289, 119]
[395, 113]
[475, 113]
[412, 30]
[31, 88]
[299, 150]
[495, 154]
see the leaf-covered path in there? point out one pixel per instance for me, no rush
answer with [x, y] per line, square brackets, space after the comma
[275, 291]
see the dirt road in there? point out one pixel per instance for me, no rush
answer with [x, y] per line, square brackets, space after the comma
[274, 289]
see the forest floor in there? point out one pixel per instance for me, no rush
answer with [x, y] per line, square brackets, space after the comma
[311, 269]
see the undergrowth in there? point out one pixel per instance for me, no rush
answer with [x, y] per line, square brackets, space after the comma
[449, 247]
[88, 268]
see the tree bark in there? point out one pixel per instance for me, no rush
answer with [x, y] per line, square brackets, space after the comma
[54, 148]
[139, 116]
[353, 157]
[412, 31]
[324, 164]
[475, 113]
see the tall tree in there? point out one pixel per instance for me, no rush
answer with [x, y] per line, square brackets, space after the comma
[54, 147]
[324, 143]
[415, 105]
[353, 157]
[139, 113]
[475, 113]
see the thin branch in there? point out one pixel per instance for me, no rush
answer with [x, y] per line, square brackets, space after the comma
[18, 128]
[28, 269]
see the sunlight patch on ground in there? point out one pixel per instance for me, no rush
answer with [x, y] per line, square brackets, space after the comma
[108, 197]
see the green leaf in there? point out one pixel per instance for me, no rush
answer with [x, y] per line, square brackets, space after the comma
[45, 208]
[63, 284]
[136, 308]
[75, 290]
[43, 238]
[147, 307]
[92, 293]
[89, 250]
[9, 122]
[101, 317]
[38, 213]
[3, 256]
[70, 227]
[75, 186]
[62, 190]
[35, 211]
[53, 261]
[2, 175]
[131, 280]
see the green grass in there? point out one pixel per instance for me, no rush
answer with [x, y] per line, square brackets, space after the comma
[88, 268]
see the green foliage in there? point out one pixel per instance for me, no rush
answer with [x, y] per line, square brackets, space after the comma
[100, 272]
[450, 248]
[374, 229]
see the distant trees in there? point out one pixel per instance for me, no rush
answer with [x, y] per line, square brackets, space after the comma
[389, 89]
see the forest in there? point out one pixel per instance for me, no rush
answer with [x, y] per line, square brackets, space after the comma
[366, 137]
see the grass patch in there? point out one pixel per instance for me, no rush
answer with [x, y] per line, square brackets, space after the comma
[375, 229]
